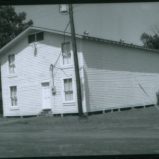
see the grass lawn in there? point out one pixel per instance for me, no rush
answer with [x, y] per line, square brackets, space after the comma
[133, 131]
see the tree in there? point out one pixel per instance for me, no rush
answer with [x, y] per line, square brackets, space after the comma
[11, 24]
[150, 41]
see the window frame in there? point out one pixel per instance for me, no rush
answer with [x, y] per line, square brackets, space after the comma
[35, 37]
[73, 90]
[62, 57]
[63, 11]
[16, 96]
[11, 65]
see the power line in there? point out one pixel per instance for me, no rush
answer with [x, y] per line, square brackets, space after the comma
[66, 29]
[61, 70]
[64, 41]
[54, 65]
[58, 58]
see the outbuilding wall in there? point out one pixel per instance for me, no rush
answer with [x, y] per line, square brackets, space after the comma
[117, 76]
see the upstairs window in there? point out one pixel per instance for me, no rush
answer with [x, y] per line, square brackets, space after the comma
[66, 53]
[68, 91]
[63, 8]
[13, 95]
[36, 37]
[11, 60]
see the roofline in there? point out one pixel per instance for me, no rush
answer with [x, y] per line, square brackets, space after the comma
[117, 43]
[54, 31]
[34, 28]
[14, 40]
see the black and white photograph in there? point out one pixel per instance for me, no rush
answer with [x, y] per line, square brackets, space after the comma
[79, 79]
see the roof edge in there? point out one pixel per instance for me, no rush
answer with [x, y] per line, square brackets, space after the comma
[14, 40]
[117, 43]
[35, 28]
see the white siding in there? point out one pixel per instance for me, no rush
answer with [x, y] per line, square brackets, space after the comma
[111, 76]
[115, 76]
[31, 72]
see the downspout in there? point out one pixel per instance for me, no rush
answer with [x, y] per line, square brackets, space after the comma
[52, 77]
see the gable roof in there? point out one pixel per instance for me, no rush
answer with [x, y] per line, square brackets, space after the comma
[25, 32]
[91, 38]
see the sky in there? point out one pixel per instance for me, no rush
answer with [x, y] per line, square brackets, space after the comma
[113, 21]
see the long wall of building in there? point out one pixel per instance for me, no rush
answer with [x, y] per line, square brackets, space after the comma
[117, 76]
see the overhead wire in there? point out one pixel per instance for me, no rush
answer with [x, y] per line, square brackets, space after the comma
[66, 29]
[54, 65]
[62, 71]
[64, 41]
[58, 58]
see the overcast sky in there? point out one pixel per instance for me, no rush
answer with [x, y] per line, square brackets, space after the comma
[114, 21]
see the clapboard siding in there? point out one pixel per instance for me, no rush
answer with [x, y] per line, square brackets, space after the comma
[31, 71]
[116, 75]
[111, 76]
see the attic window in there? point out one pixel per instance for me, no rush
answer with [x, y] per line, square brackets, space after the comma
[40, 36]
[31, 38]
[36, 37]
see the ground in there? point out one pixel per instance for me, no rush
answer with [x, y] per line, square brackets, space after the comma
[133, 131]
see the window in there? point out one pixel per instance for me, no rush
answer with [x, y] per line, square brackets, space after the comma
[11, 59]
[66, 53]
[36, 37]
[13, 95]
[68, 91]
[63, 8]
[31, 38]
[40, 36]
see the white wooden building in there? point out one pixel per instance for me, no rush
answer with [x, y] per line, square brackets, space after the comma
[37, 73]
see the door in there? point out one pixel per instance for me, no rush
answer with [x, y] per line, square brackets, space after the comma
[46, 96]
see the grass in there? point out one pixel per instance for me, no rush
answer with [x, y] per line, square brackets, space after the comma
[133, 131]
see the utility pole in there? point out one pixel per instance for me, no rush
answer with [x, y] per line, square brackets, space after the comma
[76, 63]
